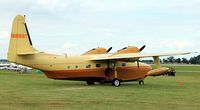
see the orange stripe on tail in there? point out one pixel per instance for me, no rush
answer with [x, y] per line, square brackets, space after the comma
[18, 35]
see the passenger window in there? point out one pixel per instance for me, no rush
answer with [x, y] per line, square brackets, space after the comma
[123, 64]
[68, 67]
[88, 66]
[76, 66]
[98, 65]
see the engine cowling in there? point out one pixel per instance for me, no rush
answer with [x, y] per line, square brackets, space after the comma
[125, 50]
[96, 51]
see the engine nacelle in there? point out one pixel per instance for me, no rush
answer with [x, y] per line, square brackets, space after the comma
[129, 49]
[96, 51]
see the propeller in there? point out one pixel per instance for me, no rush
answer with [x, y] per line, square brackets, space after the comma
[142, 48]
[109, 49]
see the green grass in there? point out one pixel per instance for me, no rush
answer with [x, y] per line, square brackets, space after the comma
[36, 92]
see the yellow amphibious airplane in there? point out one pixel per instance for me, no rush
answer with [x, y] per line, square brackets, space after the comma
[96, 65]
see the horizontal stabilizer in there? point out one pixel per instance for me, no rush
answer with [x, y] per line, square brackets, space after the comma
[28, 53]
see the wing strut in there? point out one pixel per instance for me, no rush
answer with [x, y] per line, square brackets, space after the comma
[157, 61]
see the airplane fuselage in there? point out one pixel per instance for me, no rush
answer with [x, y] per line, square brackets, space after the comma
[80, 68]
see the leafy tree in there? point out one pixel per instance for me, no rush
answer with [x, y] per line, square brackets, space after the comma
[171, 59]
[184, 60]
[195, 60]
[165, 60]
[178, 60]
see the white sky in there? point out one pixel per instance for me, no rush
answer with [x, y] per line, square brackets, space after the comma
[76, 26]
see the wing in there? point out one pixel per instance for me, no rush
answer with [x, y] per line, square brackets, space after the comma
[135, 55]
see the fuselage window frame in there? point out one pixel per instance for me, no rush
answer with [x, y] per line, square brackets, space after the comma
[88, 66]
[98, 65]
[68, 67]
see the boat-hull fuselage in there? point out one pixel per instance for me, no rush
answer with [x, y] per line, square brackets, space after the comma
[79, 68]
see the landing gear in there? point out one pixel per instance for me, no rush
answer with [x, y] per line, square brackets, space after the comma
[90, 83]
[108, 71]
[141, 82]
[116, 82]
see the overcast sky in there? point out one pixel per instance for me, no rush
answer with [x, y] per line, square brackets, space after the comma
[76, 26]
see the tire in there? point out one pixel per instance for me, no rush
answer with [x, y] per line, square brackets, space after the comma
[141, 82]
[116, 82]
[90, 83]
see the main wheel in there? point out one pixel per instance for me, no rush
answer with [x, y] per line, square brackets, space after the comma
[141, 82]
[90, 83]
[116, 82]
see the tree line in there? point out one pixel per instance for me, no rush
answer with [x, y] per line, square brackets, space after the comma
[171, 59]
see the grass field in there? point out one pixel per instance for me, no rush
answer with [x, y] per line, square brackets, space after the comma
[36, 92]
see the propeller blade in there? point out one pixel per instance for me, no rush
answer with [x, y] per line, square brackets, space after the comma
[142, 48]
[109, 49]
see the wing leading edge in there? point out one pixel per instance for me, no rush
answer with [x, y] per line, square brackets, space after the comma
[135, 55]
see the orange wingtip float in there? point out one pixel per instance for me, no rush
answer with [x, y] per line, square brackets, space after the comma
[96, 65]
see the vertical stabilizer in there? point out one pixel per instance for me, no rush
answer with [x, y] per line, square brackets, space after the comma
[20, 41]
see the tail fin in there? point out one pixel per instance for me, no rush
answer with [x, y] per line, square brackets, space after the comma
[20, 41]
